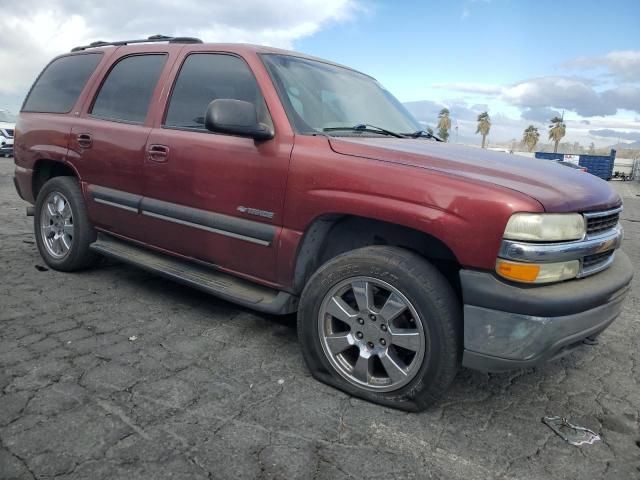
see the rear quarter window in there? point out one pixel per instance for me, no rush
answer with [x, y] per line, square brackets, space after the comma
[59, 85]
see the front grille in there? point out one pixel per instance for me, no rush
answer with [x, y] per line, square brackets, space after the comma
[9, 132]
[593, 260]
[596, 225]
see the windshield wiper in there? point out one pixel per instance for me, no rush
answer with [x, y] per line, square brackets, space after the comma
[364, 127]
[423, 134]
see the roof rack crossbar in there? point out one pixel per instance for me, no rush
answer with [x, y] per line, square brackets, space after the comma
[151, 39]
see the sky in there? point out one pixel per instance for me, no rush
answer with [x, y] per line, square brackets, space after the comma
[522, 61]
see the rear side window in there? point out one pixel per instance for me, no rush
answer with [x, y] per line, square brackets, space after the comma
[205, 77]
[127, 90]
[59, 85]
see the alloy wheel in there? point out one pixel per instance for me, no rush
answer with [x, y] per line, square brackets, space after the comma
[56, 225]
[371, 334]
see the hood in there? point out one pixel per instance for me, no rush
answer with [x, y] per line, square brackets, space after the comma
[7, 125]
[558, 188]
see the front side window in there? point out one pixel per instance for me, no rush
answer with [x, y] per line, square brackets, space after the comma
[205, 77]
[59, 85]
[126, 93]
[319, 96]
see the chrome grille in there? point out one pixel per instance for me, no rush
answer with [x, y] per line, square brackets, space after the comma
[602, 223]
[9, 131]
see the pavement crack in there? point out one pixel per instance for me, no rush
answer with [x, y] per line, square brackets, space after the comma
[113, 410]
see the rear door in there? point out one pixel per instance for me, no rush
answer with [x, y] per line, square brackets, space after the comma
[108, 141]
[214, 197]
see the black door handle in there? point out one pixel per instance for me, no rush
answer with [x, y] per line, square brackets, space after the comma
[158, 153]
[84, 140]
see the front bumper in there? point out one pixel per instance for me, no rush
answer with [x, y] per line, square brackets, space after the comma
[509, 326]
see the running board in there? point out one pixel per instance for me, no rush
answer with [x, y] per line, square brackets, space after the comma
[207, 279]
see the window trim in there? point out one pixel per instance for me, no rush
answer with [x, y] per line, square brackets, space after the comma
[105, 76]
[80, 95]
[165, 111]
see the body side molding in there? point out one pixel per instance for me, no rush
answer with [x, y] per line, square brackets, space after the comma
[240, 228]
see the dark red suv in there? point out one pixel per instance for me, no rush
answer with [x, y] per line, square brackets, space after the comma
[287, 183]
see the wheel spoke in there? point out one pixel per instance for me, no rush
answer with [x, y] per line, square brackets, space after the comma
[59, 203]
[47, 231]
[51, 210]
[56, 245]
[405, 338]
[340, 310]
[393, 307]
[65, 242]
[363, 294]
[361, 369]
[339, 342]
[65, 212]
[393, 367]
[68, 229]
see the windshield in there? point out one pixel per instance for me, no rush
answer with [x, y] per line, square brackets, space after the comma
[319, 96]
[7, 117]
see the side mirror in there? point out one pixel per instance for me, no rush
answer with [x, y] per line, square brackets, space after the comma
[236, 117]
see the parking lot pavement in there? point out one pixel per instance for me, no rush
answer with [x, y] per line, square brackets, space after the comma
[115, 373]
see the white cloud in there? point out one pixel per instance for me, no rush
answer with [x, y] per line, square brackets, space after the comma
[624, 64]
[618, 134]
[34, 31]
[557, 92]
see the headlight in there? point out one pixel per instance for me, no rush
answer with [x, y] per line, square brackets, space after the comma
[545, 227]
[537, 272]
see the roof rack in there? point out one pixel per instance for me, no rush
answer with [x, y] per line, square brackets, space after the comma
[151, 39]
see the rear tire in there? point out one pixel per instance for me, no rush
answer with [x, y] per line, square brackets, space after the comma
[62, 228]
[403, 348]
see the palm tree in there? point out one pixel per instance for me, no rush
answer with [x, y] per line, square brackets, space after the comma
[557, 129]
[444, 124]
[484, 125]
[530, 137]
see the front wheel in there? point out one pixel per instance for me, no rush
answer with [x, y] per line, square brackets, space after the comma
[62, 229]
[382, 324]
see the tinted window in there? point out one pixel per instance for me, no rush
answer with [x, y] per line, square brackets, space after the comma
[126, 93]
[60, 84]
[207, 77]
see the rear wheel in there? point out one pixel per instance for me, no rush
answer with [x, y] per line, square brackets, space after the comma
[62, 228]
[383, 324]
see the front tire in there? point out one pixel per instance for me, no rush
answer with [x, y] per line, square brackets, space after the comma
[382, 324]
[62, 228]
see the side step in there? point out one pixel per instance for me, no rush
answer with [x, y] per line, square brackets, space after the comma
[207, 279]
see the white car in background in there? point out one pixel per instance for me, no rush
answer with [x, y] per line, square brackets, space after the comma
[7, 127]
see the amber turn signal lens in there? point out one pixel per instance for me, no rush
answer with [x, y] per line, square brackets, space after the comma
[519, 272]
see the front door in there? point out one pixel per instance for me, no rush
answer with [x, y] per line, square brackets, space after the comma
[214, 197]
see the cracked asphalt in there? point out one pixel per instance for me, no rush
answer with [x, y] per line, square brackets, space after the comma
[115, 373]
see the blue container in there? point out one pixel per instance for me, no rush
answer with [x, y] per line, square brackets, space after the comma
[598, 165]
